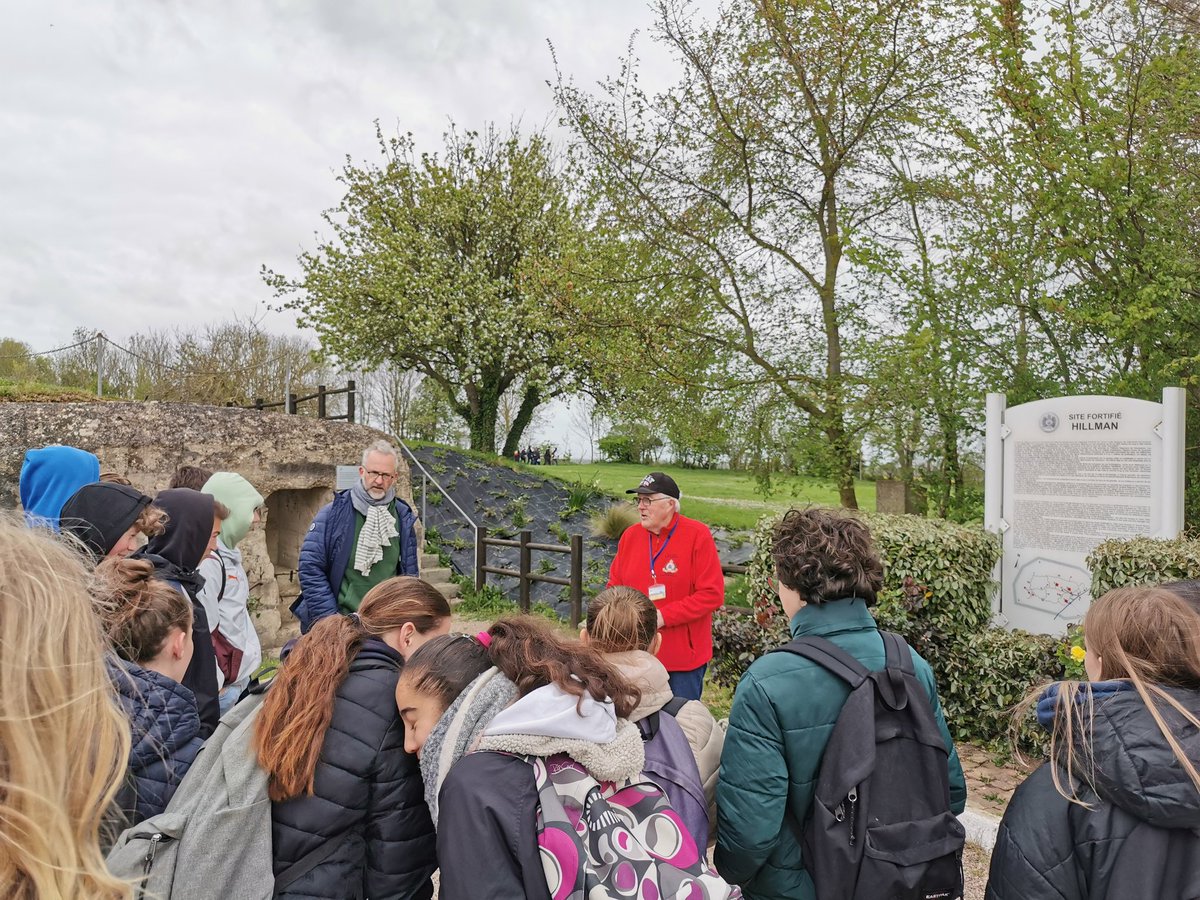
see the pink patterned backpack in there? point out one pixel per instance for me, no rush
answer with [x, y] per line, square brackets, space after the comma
[616, 840]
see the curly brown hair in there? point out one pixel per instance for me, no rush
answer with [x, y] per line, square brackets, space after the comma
[151, 521]
[826, 555]
[137, 610]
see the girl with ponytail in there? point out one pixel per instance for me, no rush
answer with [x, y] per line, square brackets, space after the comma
[332, 742]
[1116, 811]
[622, 624]
[148, 624]
[491, 715]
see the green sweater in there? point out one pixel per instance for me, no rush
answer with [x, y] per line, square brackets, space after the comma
[783, 713]
[355, 584]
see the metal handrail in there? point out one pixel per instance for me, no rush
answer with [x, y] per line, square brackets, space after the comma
[426, 480]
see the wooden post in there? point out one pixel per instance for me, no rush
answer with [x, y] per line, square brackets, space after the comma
[258, 403]
[576, 579]
[291, 403]
[320, 401]
[350, 389]
[523, 568]
[480, 557]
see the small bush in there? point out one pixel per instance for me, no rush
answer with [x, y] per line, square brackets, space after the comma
[489, 602]
[1142, 561]
[612, 522]
[579, 494]
[518, 514]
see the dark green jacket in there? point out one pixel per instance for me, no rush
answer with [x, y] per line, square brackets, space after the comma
[783, 713]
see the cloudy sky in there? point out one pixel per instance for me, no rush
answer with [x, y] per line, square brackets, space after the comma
[154, 154]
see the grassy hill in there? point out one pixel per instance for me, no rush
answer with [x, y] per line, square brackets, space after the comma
[32, 392]
[719, 497]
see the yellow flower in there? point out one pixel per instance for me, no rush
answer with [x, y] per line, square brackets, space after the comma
[1078, 653]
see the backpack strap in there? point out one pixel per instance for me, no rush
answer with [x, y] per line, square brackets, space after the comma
[830, 657]
[674, 705]
[648, 727]
[224, 576]
[893, 688]
[307, 863]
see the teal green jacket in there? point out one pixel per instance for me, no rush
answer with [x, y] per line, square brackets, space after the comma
[783, 713]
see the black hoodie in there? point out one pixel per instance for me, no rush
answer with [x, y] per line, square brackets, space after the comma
[1141, 836]
[99, 514]
[175, 554]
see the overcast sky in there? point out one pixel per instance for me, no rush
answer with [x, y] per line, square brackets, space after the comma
[154, 154]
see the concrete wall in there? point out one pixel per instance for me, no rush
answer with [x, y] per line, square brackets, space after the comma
[290, 460]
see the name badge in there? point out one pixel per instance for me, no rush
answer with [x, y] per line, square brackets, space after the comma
[657, 592]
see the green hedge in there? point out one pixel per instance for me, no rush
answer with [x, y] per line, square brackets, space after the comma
[937, 592]
[1142, 561]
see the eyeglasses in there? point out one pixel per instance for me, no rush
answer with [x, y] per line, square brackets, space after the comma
[643, 500]
[377, 476]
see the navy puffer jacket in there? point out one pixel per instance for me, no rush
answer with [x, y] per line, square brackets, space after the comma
[325, 554]
[367, 810]
[165, 730]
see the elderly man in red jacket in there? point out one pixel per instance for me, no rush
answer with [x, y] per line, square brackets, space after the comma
[673, 560]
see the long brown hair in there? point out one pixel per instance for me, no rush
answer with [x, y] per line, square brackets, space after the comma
[296, 713]
[620, 619]
[138, 611]
[532, 654]
[1149, 636]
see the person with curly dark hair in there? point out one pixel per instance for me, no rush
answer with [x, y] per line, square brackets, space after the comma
[827, 574]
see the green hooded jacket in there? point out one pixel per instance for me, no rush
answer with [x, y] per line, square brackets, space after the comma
[783, 713]
[242, 499]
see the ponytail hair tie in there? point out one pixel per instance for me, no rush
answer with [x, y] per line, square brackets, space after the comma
[484, 638]
[356, 619]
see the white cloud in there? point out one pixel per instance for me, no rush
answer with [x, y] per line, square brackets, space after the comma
[156, 154]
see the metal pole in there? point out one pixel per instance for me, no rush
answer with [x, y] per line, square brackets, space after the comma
[576, 579]
[523, 568]
[1174, 410]
[99, 364]
[424, 494]
[993, 461]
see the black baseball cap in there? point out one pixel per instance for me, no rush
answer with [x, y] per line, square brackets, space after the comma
[657, 483]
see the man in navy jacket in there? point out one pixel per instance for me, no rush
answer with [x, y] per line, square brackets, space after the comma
[365, 536]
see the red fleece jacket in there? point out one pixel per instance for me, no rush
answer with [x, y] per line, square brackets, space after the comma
[690, 569]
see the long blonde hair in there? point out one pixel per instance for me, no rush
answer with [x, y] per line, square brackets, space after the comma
[1148, 636]
[64, 743]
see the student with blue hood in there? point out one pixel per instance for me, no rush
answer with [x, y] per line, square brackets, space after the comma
[49, 476]
[193, 523]
[226, 590]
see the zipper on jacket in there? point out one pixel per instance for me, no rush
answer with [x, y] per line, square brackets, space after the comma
[852, 799]
[148, 861]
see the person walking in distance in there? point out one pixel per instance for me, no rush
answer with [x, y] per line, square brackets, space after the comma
[673, 560]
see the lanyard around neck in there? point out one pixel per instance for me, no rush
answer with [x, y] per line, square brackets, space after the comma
[650, 543]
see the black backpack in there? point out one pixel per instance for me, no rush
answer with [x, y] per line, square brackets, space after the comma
[880, 827]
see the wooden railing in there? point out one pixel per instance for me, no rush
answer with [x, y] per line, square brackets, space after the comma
[525, 573]
[292, 402]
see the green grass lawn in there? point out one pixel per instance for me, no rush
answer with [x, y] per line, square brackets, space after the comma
[718, 497]
[34, 392]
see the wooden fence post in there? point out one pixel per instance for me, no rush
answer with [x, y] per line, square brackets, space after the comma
[480, 557]
[523, 568]
[320, 401]
[350, 390]
[576, 580]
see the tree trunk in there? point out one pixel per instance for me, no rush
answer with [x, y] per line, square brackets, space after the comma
[843, 454]
[482, 419]
[530, 401]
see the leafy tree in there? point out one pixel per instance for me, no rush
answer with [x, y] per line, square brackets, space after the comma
[751, 183]
[455, 266]
[630, 442]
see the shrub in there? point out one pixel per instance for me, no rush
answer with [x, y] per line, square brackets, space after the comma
[612, 522]
[937, 589]
[1142, 561]
[579, 494]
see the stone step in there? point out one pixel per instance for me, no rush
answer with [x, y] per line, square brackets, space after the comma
[447, 589]
[436, 575]
[430, 561]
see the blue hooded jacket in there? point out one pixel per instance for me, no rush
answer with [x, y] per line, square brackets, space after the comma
[49, 476]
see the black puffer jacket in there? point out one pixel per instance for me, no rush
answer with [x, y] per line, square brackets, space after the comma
[165, 733]
[1140, 838]
[367, 808]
